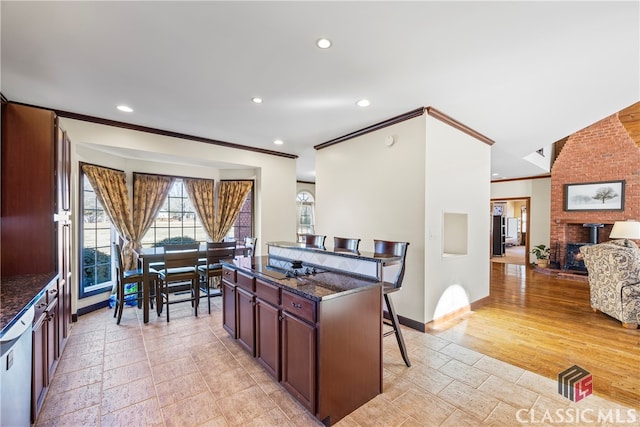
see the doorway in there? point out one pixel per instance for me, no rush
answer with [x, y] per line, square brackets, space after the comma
[510, 230]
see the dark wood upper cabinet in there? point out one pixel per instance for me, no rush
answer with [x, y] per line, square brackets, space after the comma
[28, 190]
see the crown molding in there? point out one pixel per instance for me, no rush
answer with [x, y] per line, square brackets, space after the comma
[147, 129]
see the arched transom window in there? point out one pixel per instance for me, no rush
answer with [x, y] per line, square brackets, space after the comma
[306, 221]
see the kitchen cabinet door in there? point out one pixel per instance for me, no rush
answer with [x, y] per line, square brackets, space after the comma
[229, 308]
[268, 337]
[299, 360]
[39, 368]
[246, 323]
[51, 323]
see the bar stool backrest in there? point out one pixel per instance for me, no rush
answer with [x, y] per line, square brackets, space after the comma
[312, 240]
[385, 247]
[346, 244]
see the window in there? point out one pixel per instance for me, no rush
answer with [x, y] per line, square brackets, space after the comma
[305, 204]
[96, 236]
[176, 222]
[243, 227]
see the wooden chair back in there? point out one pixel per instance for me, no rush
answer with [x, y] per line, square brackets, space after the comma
[217, 251]
[181, 256]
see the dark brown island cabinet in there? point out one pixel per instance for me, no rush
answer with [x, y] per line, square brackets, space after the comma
[325, 351]
[36, 232]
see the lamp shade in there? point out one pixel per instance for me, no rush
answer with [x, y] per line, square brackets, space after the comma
[625, 230]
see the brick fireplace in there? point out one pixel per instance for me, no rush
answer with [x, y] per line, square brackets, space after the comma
[603, 151]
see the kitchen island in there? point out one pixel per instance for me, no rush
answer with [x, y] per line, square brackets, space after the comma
[316, 331]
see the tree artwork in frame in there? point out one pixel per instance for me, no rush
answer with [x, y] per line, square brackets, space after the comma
[594, 196]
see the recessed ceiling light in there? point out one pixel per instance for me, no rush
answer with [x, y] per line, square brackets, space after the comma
[125, 109]
[256, 100]
[323, 43]
[278, 142]
[495, 174]
[363, 103]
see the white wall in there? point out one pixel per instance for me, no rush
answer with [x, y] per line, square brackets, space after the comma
[275, 176]
[457, 181]
[368, 190]
[539, 192]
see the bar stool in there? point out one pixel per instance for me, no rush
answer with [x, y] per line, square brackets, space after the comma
[399, 249]
[344, 244]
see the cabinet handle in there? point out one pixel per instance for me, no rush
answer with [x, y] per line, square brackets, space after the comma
[41, 306]
[53, 291]
[296, 305]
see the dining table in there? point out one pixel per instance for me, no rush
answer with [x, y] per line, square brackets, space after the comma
[148, 256]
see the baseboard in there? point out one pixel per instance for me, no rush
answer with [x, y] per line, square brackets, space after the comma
[90, 308]
[436, 323]
[429, 326]
[480, 303]
[405, 321]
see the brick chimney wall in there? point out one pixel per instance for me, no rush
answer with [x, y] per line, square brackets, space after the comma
[603, 151]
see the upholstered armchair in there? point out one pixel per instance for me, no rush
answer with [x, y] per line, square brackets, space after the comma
[614, 279]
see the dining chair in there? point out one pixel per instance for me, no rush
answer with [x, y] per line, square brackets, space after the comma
[216, 252]
[180, 273]
[250, 245]
[393, 284]
[344, 244]
[129, 277]
[312, 240]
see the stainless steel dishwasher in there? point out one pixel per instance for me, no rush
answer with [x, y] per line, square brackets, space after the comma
[15, 372]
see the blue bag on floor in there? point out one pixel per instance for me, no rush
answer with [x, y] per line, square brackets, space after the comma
[130, 294]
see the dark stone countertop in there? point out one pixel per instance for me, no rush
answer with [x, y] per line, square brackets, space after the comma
[317, 287]
[18, 294]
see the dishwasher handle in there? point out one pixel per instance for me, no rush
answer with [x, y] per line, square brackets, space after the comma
[24, 322]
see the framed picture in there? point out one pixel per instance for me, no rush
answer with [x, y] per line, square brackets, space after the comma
[594, 196]
[497, 210]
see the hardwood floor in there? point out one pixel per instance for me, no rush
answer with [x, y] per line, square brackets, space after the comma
[545, 325]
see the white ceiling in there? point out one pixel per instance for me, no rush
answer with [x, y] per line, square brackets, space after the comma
[524, 74]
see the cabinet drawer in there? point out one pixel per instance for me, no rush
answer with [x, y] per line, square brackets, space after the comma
[246, 282]
[40, 307]
[299, 306]
[229, 274]
[52, 293]
[268, 292]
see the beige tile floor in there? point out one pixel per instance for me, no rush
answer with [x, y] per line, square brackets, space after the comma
[190, 373]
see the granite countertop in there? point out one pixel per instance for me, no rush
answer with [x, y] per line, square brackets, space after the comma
[18, 294]
[317, 287]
